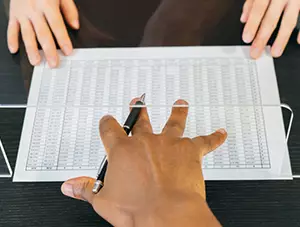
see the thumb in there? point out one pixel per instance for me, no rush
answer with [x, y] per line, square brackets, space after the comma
[79, 188]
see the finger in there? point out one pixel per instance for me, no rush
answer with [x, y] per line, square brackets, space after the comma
[30, 43]
[13, 35]
[176, 123]
[267, 27]
[79, 188]
[257, 12]
[45, 39]
[57, 25]
[246, 10]
[143, 124]
[110, 132]
[70, 12]
[287, 26]
[299, 38]
[209, 143]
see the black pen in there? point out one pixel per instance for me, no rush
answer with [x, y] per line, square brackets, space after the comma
[129, 123]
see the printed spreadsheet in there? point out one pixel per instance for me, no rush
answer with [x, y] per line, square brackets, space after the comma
[60, 137]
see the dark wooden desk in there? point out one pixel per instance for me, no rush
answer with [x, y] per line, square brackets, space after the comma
[235, 203]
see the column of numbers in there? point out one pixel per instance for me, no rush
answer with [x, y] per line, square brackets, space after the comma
[68, 141]
[53, 140]
[81, 152]
[38, 139]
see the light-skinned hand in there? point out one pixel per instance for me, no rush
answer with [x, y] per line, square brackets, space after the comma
[35, 20]
[152, 179]
[261, 18]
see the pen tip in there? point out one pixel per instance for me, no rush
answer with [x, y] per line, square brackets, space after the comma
[143, 97]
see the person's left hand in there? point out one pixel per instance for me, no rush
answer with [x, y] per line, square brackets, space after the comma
[261, 18]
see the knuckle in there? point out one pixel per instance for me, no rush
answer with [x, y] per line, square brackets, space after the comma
[142, 125]
[175, 125]
[121, 149]
[187, 142]
[35, 16]
[145, 137]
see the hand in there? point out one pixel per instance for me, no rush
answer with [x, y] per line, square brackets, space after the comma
[36, 19]
[261, 18]
[151, 179]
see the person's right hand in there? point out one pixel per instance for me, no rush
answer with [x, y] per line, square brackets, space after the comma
[36, 19]
[151, 180]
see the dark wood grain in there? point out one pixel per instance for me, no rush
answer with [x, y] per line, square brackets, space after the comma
[121, 23]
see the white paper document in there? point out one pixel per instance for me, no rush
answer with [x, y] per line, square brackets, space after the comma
[225, 88]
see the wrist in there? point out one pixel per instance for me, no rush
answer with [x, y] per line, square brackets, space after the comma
[174, 210]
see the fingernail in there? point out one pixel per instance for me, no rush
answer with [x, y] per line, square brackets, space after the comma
[247, 37]
[255, 52]
[181, 102]
[243, 18]
[35, 59]
[76, 24]
[67, 189]
[52, 62]
[12, 49]
[67, 49]
[276, 52]
[221, 130]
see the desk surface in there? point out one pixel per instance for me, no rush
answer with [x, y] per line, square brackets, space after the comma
[235, 203]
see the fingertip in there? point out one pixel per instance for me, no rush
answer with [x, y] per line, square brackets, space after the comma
[180, 107]
[67, 189]
[255, 53]
[13, 36]
[53, 62]
[222, 131]
[221, 135]
[181, 102]
[247, 37]
[243, 18]
[13, 48]
[75, 24]
[35, 59]
[299, 38]
[67, 49]
[133, 101]
[70, 12]
[79, 188]
[105, 118]
[276, 52]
